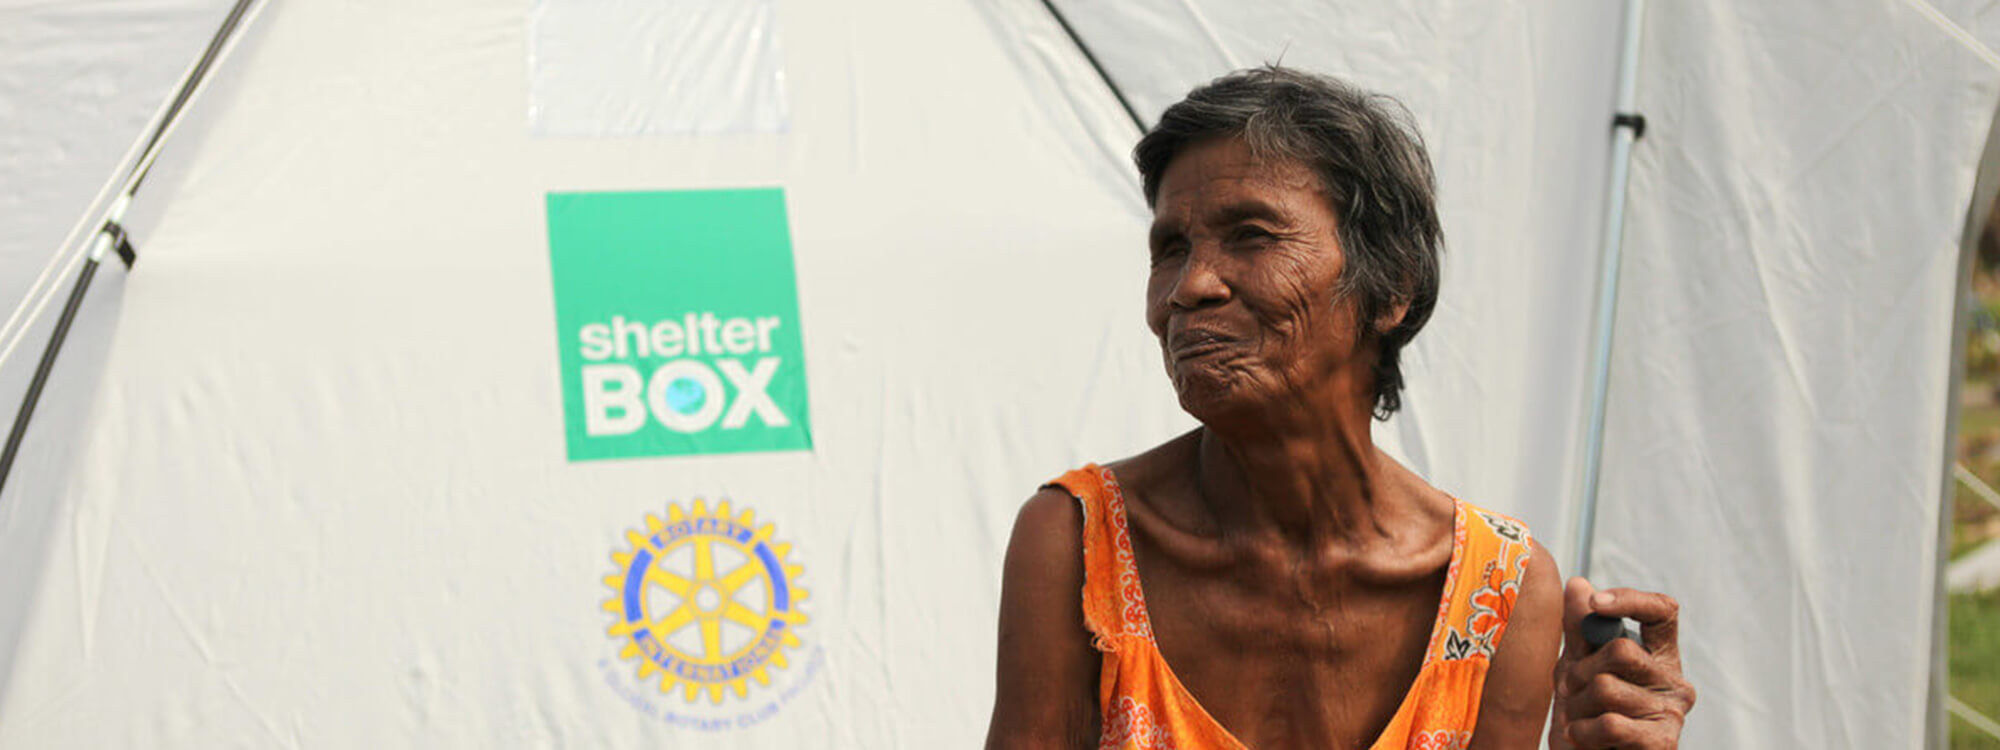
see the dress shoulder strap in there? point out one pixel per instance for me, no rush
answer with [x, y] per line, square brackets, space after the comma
[1114, 605]
[1494, 558]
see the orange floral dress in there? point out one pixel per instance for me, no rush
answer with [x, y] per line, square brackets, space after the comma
[1145, 707]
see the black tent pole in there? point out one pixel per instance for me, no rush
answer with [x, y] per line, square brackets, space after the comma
[111, 236]
[1095, 65]
[42, 369]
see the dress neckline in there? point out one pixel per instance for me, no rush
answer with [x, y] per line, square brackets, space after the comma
[1458, 538]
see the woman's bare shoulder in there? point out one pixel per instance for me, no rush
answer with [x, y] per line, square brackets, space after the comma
[1049, 527]
[1047, 666]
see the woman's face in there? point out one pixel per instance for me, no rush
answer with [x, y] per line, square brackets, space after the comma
[1245, 260]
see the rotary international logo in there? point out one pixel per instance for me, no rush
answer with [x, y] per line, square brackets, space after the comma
[707, 600]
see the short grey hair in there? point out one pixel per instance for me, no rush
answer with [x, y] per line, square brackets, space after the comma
[1371, 162]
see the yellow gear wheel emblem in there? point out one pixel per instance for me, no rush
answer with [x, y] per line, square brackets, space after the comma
[706, 600]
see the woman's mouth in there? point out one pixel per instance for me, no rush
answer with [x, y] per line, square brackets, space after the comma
[1196, 344]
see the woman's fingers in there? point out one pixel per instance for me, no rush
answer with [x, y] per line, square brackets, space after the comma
[1658, 616]
[1622, 695]
[1620, 658]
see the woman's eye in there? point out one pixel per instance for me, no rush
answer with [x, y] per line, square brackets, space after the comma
[1252, 234]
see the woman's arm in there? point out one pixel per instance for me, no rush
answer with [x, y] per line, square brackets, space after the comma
[1519, 683]
[1047, 693]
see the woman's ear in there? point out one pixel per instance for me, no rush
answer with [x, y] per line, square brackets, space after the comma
[1392, 317]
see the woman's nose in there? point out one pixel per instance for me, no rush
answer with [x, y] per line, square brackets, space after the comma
[1200, 283]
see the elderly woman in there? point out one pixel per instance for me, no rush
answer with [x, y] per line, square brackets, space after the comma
[1273, 579]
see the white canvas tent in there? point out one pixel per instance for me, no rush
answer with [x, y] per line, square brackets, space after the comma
[301, 477]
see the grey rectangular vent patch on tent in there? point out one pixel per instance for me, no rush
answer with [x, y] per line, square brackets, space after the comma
[652, 67]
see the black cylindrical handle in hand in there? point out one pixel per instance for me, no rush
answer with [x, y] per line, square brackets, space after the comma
[1599, 630]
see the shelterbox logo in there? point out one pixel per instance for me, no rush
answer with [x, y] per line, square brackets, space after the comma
[678, 323]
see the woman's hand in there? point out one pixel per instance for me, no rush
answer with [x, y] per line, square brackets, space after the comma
[1622, 695]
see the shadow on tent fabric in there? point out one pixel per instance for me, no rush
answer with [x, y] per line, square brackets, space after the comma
[34, 510]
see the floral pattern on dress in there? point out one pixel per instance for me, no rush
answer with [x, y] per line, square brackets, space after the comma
[1440, 644]
[1455, 647]
[1129, 725]
[1490, 606]
[1442, 739]
[1507, 528]
[1133, 620]
[1477, 636]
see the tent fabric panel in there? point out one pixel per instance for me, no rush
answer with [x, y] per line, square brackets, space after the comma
[1779, 389]
[322, 495]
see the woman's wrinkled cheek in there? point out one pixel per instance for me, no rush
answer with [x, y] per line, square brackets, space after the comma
[1159, 305]
[1289, 316]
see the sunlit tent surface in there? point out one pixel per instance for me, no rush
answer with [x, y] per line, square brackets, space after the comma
[317, 470]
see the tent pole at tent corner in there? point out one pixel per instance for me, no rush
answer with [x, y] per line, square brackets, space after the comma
[111, 235]
[48, 361]
[1627, 127]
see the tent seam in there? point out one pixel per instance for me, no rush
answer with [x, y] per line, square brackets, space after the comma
[1953, 29]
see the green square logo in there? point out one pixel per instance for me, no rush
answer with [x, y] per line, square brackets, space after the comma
[677, 321]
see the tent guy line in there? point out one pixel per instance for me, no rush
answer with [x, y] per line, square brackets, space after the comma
[1974, 483]
[1978, 720]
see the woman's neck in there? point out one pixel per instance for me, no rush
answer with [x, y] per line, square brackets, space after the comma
[1310, 477]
